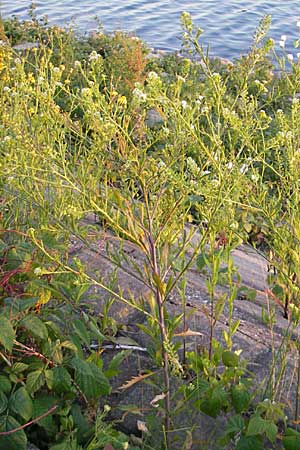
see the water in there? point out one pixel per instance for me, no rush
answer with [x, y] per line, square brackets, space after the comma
[228, 24]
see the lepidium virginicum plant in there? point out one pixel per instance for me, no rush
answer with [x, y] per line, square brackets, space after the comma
[199, 147]
[102, 156]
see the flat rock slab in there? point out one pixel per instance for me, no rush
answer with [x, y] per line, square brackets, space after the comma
[254, 337]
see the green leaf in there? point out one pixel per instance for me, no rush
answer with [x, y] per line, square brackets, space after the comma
[41, 405]
[62, 381]
[291, 440]
[33, 324]
[230, 359]
[240, 397]
[257, 425]
[201, 261]
[5, 384]
[250, 443]
[17, 305]
[19, 367]
[35, 380]
[7, 333]
[81, 331]
[14, 441]
[49, 379]
[84, 428]
[271, 431]
[235, 425]
[113, 367]
[90, 378]
[215, 402]
[103, 386]
[21, 403]
[3, 402]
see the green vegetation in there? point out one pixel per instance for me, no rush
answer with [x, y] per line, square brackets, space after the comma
[185, 158]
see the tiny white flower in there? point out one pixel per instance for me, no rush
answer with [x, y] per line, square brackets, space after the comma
[298, 24]
[18, 61]
[204, 110]
[254, 177]
[94, 56]
[37, 271]
[282, 44]
[139, 94]
[56, 69]
[41, 79]
[243, 169]
[283, 37]
[290, 57]
[152, 75]
[85, 91]
[6, 89]
[77, 64]
[229, 165]
[184, 104]
[58, 84]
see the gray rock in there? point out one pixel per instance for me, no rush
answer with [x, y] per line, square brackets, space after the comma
[26, 46]
[31, 447]
[154, 119]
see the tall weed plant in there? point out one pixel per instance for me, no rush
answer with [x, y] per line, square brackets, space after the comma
[185, 161]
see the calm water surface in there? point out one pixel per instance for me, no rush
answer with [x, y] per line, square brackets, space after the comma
[228, 24]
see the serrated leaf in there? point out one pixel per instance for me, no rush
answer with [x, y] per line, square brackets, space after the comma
[216, 400]
[17, 305]
[14, 441]
[69, 345]
[81, 331]
[33, 324]
[240, 397]
[7, 333]
[3, 402]
[41, 405]
[35, 380]
[5, 384]
[84, 428]
[103, 386]
[62, 381]
[250, 443]
[19, 367]
[90, 378]
[21, 403]
[256, 426]
[49, 379]
[235, 425]
[271, 431]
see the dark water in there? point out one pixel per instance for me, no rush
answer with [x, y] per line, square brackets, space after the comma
[228, 24]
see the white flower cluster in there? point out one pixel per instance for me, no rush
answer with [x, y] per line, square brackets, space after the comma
[282, 41]
[152, 75]
[140, 95]
[192, 167]
[94, 56]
